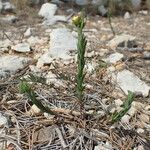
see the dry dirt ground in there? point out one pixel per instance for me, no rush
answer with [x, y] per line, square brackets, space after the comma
[69, 129]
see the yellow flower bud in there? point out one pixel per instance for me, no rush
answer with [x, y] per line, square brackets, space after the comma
[77, 20]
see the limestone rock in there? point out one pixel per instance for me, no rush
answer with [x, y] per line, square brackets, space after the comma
[10, 64]
[127, 15]
[27, 33]
[7, 6]
[61, 43]
[130, 82]
[47, 10]
[21, 47]
[34, 110]
[125, 119]
[113, 58]
[3, 120]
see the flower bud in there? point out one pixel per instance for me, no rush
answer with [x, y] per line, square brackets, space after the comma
[77, 20]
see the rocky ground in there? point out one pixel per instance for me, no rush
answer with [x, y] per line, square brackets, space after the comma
[40, 45]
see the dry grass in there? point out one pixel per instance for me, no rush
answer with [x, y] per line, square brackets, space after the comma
[20, 4]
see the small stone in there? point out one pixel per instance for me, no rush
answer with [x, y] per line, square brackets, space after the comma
[47, 10]
[7, 6]
[125, 119]
[118, 102]
[127, 15]
[140, 130]
[132, 111]
[48, 116]
[21, 47]
[113, 58]
[143, 12]
[27, 33]
[3, 120]
[146, 55]
[130, 82]
[34, 110]
[59, 48]
[10, 64]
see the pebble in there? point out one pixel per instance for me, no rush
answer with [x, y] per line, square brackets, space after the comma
[21, 47]
[34, 110]
[140, 130]
[125, 119]
[3, 120]
[127, 15]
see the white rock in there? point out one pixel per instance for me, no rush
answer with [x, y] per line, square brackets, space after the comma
[132, 111]
[143, 12]
[140, 130]
[48, 116]
[127, 15]
[119, 39]
[34, 110]
[125, 119]
[10, 64]
[45, 59]
[113, 58]
[22, 47]
[7, 6]
[47, 10]
[130, 82]
[61, 43]
[118, 102]
[3, 120]
[27, 33]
